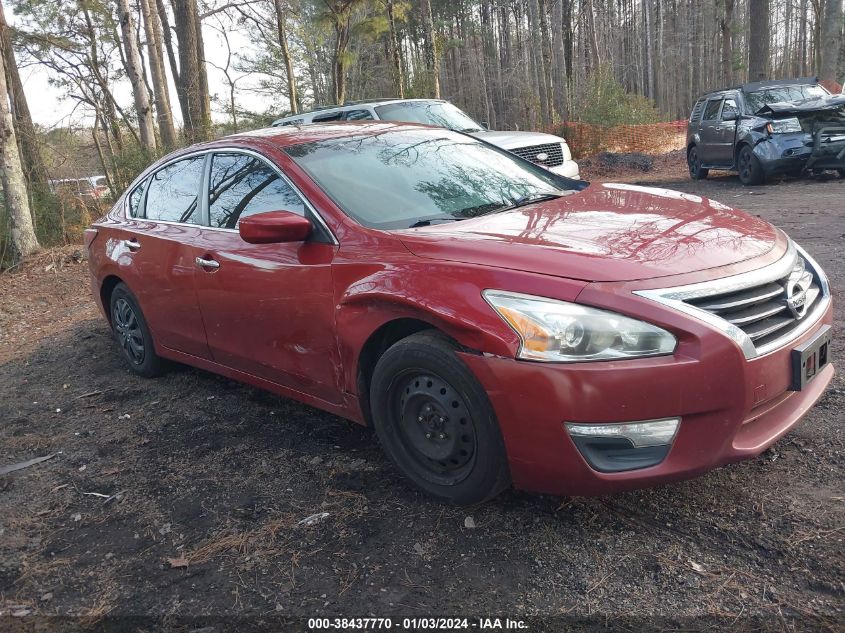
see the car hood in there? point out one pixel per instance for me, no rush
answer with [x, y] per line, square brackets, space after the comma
[513, 140]
[607, 232]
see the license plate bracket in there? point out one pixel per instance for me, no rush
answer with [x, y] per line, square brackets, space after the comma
[809, 359]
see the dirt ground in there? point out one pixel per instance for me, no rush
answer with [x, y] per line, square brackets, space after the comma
[180, 498]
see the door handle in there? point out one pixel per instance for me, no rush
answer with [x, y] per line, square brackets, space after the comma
[207, 263]
[133, 244]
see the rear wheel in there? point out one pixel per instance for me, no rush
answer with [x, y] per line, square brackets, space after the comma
[132, 333]
[696, 171]
[748, 165]
[435, 421]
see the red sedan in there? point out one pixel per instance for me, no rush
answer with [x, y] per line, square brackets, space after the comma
[495, 323]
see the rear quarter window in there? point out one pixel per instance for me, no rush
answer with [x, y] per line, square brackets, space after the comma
[134, 200]
[697, 109]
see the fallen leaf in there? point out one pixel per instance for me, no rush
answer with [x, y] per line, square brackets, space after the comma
[176, 563]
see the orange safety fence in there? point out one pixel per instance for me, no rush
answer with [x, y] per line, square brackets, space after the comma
[588, 139]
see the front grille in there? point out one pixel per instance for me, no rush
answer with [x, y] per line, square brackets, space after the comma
[768, 311]
[553, 151]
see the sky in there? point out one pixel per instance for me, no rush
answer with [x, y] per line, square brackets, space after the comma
[51, 109]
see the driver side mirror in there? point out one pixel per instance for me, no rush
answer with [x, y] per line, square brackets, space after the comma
[275, 227]
[730, 115]
[485, 125]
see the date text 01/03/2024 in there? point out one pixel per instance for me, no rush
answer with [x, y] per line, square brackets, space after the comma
[413, 624]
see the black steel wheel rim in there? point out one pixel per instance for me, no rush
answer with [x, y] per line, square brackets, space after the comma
[693, 162]
[128, 331]
[435, 426]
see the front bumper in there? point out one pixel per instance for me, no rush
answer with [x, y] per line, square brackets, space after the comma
[793, 153]
[731, 409]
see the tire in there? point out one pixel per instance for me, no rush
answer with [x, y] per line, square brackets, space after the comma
[749, 168]
[132, 333]
[696, 171]
[435, 421]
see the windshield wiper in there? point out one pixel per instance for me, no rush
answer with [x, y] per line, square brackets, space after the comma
[431, 221]
[526, 200]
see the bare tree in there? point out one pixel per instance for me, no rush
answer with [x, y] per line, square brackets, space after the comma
[155, 58]
[192, 82]
[831, 41]
[758, 39]
[281, 30]
[135, 70]
[431, 53]
[21, 230]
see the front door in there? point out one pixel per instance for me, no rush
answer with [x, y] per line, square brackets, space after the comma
[268, 309]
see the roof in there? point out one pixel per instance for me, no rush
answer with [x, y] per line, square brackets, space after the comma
[351, 105]
[768, 83]
[297, 134]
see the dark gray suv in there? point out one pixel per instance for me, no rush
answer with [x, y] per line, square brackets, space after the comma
[765, 128]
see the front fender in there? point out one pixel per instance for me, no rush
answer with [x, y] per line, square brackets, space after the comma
[444, 295]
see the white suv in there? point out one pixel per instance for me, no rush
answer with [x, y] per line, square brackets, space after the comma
[547, 150]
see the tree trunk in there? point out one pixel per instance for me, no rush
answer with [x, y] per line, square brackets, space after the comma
[36, 172]
[831, 41]
[22, 233]
[281, 29]
[135, 70]
[726, 30]
[432, 57]
[394, 52]
[164, 113]
[539, 60]
[758, 39]
[559, 59]
[192, 89]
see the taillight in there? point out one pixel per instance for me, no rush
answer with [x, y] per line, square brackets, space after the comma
[90, 234]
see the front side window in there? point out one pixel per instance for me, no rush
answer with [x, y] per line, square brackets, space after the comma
[438, 113]
[173, 192]
[241, 185]
[729, 108]
[400, 178]
[711, 110]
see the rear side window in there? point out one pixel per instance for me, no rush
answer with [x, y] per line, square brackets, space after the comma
[291, 122]
[359, 115]
[173, 192]
[323, 118]
[242, 185]
[135, 199]
[712, 109]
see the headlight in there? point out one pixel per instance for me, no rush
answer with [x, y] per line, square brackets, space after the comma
[563, 332]
[784, 126]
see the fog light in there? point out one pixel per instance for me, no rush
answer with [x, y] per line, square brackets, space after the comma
[625, 446]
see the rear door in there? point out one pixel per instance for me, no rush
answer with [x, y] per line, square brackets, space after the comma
[268, 309]
[709, 131]
[158, 252]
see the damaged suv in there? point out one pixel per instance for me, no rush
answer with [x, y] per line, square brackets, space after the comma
[767, 128]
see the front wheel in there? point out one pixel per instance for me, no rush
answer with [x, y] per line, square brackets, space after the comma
[750, 170]
[435, 421]
[696, 171]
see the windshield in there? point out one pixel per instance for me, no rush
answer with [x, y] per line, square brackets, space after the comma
[439, 113]
[759, 98]
[404, 178]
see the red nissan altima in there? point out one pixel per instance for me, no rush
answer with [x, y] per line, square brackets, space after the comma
[495, 323]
